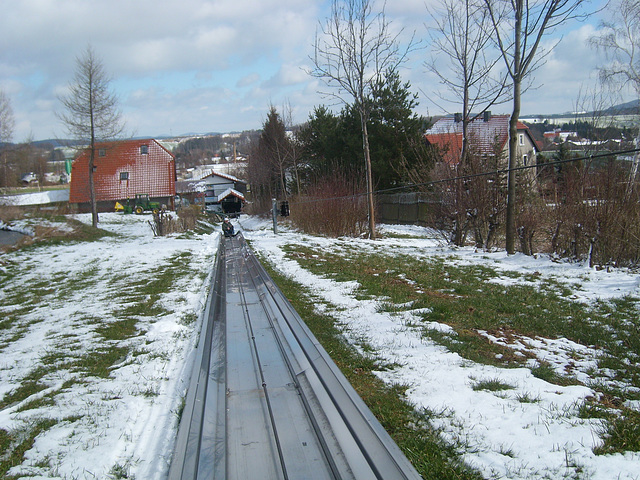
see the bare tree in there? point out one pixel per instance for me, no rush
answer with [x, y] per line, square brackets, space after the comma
[353, 52]
[294, 145]
[91, 111]
[519, 26]
[462, 35]
[620, 40]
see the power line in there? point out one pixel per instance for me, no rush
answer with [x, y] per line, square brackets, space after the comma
[470, 176]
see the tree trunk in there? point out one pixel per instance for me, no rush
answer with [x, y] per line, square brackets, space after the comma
[367, 159]
[511, 175]
[634, 166]
[92, 155]
[92, 189]
[513, 135]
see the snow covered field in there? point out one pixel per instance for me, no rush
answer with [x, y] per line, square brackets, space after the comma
[126, 422]
[40, 198]
[506, 438]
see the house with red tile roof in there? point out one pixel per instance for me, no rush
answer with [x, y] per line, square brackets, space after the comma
[488, 136]
[123, 169]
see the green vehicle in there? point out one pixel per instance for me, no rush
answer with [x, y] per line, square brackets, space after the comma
[138, 205]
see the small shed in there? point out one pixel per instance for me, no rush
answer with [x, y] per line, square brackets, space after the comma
[121, 170]
[223, 193]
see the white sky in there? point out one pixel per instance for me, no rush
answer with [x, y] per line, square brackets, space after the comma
[182, 66]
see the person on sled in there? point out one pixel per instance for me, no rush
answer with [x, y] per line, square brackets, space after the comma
[227, 227]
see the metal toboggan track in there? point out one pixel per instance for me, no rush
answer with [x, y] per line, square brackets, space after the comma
[265, 401]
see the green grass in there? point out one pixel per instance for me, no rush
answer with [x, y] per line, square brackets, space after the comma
[30, 385]
[119, 329]
[141, 297]
[100, 361]
[473, 299]
[14, 444]
[492, 385]
[621, 432]
[120, 472]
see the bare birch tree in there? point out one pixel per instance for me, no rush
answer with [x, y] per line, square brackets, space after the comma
[91, 111]
[519, 27]
[462, 38]
[352, 53]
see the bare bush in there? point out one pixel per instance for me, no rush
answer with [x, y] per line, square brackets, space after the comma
[164, 223]
[472, 199]
[259, 205]
[188, 217]
[451, 216]
[184, 220]
[485, 199]
[334, 206]
[596, 218]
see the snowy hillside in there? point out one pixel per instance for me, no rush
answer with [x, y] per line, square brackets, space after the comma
[105, 345]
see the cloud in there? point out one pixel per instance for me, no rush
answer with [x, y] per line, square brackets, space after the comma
[288, 75]
[151, 46]
[568, 71]
[212, 65]
[248, 80]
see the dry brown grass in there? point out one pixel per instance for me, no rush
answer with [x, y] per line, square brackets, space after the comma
[9, 213]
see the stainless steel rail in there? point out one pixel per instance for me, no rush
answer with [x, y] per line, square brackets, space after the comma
[265, 401]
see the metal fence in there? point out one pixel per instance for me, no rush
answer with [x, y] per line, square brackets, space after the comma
[414, 208]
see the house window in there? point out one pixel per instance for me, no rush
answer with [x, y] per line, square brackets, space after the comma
[124, 175]
[102, 152]
[144, 149]
[521, 139]
[525, 160]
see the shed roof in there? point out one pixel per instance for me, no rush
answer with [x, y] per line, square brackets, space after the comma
[230, 192]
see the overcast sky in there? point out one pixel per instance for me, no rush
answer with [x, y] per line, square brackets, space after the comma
[183, 66]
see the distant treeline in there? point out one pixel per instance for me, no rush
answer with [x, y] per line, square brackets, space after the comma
[199, 150]
[584, 129]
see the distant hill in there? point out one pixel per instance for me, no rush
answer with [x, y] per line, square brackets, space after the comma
[54, 143]
[629, 108]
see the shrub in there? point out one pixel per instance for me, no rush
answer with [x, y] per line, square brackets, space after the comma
[164, 223]
[334, 206]
[596, 216]
[188, 217]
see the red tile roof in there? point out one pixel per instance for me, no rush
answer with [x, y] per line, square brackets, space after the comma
[486, 136]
